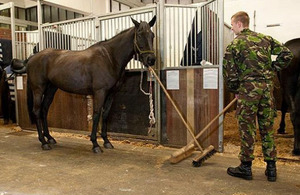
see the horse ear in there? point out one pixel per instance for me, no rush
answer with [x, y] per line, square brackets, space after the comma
[136, 23]
[152, 22]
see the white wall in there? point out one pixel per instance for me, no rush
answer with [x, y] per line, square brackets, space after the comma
[95, 7]
[284, 12]
[19, 3]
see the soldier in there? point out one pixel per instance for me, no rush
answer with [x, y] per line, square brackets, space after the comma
[248, 71]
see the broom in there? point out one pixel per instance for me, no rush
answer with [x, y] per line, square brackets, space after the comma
[187, 150]
[194, 141]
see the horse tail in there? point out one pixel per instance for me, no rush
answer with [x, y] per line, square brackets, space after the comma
[30, 102]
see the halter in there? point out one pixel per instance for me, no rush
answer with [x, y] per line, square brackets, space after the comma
[152, 120]
[138, 48]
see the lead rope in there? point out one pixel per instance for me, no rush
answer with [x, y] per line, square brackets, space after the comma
[152, 120]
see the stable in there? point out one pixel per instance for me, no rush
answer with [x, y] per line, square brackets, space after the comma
[189, 43]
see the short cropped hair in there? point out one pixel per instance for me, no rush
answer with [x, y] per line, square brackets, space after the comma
[243, 17]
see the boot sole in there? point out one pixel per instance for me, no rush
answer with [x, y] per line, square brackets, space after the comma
[240, 176]
[272, 179]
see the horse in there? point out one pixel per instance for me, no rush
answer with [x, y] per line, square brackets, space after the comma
[97, 71]
[290, 86]
[5, 96]
[7, 103]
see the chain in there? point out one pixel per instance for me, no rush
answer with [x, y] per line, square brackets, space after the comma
[152, 120]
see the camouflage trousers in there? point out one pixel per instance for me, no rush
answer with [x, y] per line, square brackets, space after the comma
[256, 101]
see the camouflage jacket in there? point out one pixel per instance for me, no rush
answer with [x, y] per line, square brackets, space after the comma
[248, 58]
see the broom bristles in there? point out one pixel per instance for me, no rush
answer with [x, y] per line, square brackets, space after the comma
[207, 153]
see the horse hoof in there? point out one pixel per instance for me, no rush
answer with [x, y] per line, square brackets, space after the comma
[46, 147]
[97, 150]
[6, 122]
[52, 141]
[296, 152]
[108, 145]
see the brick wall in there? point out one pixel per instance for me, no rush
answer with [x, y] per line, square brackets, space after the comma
[5, 33]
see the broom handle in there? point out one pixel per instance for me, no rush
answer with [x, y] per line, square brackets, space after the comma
[212, 121]
[179, 113]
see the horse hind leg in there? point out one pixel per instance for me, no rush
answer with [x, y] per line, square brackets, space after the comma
[296, 124]
[5, 98]
[37, 104]
[106, 109]
[47, 100]
[296, 150]
[284, 109]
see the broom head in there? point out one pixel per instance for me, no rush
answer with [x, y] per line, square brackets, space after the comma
[182, 153]
[207, 153]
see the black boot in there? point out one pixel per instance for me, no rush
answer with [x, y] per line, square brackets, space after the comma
[271, 170]
[243, 171]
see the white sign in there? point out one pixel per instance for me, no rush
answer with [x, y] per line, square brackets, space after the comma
[20, 83]
[210, 78]
[173, 79]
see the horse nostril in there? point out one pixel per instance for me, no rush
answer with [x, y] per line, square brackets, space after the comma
[151, 61]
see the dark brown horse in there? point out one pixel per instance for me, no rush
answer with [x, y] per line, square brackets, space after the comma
[4, 96]
[7, 105]
[290, 87]
[95, 71]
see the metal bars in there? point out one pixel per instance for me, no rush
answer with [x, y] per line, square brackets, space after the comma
[181, 35]
[210, 35]
[116, 23]
[25, 42]
[192, 34]
[71, 35]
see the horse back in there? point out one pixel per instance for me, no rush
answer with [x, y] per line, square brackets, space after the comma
[289, 77]
[79, 72]
[37, 64]
[294, 68]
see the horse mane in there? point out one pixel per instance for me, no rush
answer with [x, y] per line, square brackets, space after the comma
[143, 25]
[112, 38]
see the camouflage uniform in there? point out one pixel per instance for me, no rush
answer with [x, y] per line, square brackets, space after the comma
[248, 71]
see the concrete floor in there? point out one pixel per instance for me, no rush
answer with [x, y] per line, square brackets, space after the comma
[72, 168]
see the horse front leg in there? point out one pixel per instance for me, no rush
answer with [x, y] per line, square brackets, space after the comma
[5, 99]
[284, 109]
[296, 150]
[296, 124]
[106, 109]
[99, 97]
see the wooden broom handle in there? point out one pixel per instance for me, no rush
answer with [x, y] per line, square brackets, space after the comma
[179, 113]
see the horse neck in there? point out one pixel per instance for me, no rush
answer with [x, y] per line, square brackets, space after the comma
[123, 47]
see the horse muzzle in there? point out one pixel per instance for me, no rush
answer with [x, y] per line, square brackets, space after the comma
[149, 60]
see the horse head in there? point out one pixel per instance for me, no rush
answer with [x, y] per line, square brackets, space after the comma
[143, 41]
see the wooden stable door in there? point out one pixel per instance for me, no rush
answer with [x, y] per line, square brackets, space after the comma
[198, 106]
